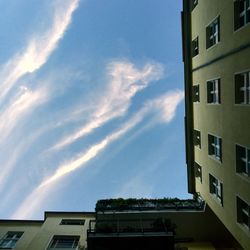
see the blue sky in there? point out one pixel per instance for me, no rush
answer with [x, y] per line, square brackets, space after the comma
[91, 103]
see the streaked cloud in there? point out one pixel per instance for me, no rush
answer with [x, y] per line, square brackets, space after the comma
[164, 107]
[38, 49]
[125, 80]
[23, 103]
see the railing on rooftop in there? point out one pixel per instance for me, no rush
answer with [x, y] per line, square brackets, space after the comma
[149, 204]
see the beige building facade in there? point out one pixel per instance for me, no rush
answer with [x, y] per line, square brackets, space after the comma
[58, 230]
[216, 46]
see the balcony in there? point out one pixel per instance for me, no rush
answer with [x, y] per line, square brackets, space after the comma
[133, 234]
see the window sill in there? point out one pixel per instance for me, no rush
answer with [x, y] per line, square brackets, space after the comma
[214, 103]
[242, 104]
[215, 159]
[211, 47]
[244, 227]
[242, 27]
[243, 176]
[216, 199]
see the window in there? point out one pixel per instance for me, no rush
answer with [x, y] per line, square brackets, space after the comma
[241, 13]
[198, 171]
[216, 188]
[215, 147]
[243, 160]
[243, 212]
[213, 33]
[196, 93]
[213, 91]
[194, 3]
[195, 47]
[72, 222]
[242, 88]
[64, 241]
[197, 138]
[10, 240]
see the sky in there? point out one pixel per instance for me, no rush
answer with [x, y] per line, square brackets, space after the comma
[91, 104]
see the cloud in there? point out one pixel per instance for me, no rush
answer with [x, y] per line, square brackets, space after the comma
[125, 80]
[38, 49]
[23, 103]
[165, 108]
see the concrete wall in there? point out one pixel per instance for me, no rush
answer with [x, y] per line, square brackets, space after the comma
[228, 120]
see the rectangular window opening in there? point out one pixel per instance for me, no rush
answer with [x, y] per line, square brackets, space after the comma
[72, 222]
[10, 239]
[243, 212]
[197, 138]
[213, 33]
[196, 93]
[195, 47]
[243, 160]
[216, 188]
[64, 241]
[242, 88]
[213, 91]
[215, 147]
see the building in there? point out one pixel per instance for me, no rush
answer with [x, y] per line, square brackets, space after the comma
[58, 230]
[143, 224]
[216, 54]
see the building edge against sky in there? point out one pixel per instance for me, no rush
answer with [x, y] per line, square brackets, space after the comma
[216, 52]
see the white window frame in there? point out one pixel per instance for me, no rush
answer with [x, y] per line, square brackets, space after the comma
[246, 88]
[214, 36]
[10, 242]
[215, 91]
[216, 147]
[217, 188]
[241, 210]
[245, 160]
[244, 12]
[55, 241]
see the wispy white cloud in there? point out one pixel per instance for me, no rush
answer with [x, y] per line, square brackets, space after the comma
[23, 103]
[38, 49]
[125, 80]
[165, 107]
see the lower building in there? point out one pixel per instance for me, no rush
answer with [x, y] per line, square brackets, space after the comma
[58, 230]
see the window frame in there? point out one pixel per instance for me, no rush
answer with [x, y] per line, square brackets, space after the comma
[238, 14]
[194, 3]
[215, 147]
[214, 93]
[72, 222]
[55, 241]
[216, 188]
[246, 161]
[243, 212]
[242, 88]
[11, 241]
[195, 47]
[213, 32]
[196, 93]
[198, 171]
[197, 138]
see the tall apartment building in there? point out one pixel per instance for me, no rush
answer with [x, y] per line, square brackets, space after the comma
[216, 54]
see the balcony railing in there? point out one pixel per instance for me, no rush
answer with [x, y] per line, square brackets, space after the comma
[127, 227]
